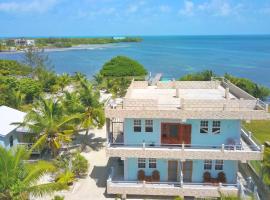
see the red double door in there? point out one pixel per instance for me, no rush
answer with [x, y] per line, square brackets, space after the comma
[174, 133]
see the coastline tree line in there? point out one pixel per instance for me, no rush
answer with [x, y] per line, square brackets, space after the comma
[59, 107]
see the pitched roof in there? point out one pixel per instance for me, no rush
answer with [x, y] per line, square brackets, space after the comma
[7, 117]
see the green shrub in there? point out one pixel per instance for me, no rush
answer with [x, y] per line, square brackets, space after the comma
[79, 165]
[57, 197]
[12, 67]
[245, 84]
[122, 66]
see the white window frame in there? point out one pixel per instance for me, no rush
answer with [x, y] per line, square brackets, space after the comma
[216, 127]
[152, 163]
[149, 124]
[204, 126]
[141, 163]
[137, 123]
[219, 165]
[207, 165]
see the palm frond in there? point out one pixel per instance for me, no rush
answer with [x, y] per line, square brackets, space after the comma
[36, 171]
[47, 188]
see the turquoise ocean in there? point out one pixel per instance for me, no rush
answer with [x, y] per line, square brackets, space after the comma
[173, 56]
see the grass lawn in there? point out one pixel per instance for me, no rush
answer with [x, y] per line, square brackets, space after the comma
[260, 129]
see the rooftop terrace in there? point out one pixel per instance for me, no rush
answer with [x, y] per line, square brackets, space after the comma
[184, 96]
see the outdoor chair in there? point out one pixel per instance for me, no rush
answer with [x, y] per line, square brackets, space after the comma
[141, 175]
[221, 177]
[155, 176]
[206, 177]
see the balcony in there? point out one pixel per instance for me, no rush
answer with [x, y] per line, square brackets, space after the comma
[28, 146]
[248, 149]
[117, 185]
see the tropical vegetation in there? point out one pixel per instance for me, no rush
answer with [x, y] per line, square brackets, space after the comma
[69, 42]
[248, 85]
[116, 75]
[20, 179]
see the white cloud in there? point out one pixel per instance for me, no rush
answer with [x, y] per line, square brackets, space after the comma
[188, 9]
[165, 8]
[211, 7]
[133, 8]
[39, 6]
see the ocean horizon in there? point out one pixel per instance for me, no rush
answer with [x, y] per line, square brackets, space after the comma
[246, 56]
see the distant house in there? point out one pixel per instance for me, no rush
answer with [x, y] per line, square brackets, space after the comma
[10, 134]
[119, 38]
[24, 42]
[30, 42]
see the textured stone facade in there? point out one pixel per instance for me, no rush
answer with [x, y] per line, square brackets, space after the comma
[182, 154]
[170, 190]
[147, 112]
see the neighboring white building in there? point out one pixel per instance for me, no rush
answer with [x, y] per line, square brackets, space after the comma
[24, 42]
[11, 134]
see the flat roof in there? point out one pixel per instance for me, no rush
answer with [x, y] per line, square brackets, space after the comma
[7, 117]
[168, 95]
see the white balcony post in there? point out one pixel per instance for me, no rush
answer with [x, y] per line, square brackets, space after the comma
[182, 103]
[181, 179]
[183, 146]
[143, 183]
[143, 145]
[177, 93]
[227, 92]
[249, 134]
[262, 148]
[222, 147]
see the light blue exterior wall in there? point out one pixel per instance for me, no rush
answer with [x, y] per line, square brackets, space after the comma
[162, 166]
[230, 169]
[230, 129]
[131, 137]
[4, 141]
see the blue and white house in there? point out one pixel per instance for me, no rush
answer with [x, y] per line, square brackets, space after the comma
[11, 135]
[181, 138]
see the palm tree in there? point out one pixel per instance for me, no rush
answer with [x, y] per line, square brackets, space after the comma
[63, 81]
[72, 103]
[20, 180]
[93, 115]
[47, 119]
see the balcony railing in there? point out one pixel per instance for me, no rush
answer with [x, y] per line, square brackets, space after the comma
[117, 185]
[28, 146]
[248, 145]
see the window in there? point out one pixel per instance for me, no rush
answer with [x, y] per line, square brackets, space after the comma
[11, 141]
[204, 127]
[137, 125]
[148, 125]
[207, 164]
[219, 165]
[152, 163]
[141, 162]
[216, 127]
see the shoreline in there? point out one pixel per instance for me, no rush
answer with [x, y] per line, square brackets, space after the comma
[75, 47]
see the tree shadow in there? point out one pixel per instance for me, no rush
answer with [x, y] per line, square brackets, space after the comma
[94, 143]
[101, 173]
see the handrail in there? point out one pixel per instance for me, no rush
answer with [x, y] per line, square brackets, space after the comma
[239, 147]
[247, 135]
[171, 184]
[28, 146]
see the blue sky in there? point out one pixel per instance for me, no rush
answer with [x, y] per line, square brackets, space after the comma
[133, 17]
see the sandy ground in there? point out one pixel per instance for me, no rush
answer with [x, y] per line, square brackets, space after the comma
[93, 186]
